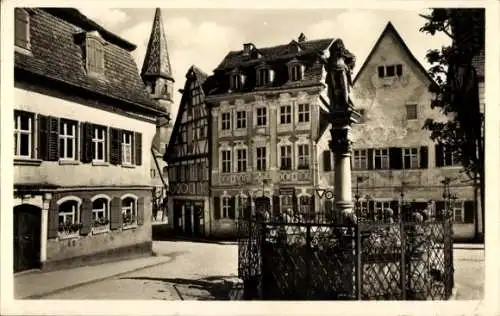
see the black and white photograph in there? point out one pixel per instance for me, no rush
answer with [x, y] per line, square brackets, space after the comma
[249, 154]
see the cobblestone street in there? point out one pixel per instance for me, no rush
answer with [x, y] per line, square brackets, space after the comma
[197, 272]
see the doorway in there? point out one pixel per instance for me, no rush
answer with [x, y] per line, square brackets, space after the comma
[27, 221]
[198, 225]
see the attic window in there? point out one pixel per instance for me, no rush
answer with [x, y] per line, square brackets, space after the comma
[22, 29]
[296, 72]
[94, 54]
[237, 81]
[390, 71]
[264, 76]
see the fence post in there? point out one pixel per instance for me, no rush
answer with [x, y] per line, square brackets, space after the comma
[359, 264]
[402, 235]
[308, 259]
[262, 241]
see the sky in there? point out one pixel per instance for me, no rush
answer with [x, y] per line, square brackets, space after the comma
[204, 36]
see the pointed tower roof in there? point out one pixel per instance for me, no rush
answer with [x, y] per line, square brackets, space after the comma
[156, 60]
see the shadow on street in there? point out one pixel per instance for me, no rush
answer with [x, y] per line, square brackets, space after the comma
[204, 289]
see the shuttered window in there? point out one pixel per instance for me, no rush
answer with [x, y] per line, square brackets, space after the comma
[226, 207]
[95, 55]
[129, 211]
[68, 130]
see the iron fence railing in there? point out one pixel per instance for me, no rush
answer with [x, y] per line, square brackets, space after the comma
[296, 258]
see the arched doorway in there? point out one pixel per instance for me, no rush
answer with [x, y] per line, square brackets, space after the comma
[27, 219]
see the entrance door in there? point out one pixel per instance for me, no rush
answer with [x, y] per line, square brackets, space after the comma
[177, 216]
[263, 207]
[27, 219]
[198, 227]
[188, 227]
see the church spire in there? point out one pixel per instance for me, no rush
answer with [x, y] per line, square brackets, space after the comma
[157, 61]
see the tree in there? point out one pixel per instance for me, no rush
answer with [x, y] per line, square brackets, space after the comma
[456, 90]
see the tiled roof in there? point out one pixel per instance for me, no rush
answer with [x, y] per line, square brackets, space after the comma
[238, 59]
[56, 55]
[478, 63]
[157, 60]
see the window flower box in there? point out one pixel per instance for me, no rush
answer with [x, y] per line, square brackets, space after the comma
[67, 231]
[100, 225]
[129, 221]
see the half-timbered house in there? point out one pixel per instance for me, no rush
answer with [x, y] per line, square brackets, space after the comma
[83, 125]
[188, 160]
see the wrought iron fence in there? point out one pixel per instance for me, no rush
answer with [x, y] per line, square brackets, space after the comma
[293, 257]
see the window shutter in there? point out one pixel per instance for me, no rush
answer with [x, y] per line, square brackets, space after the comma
[370, 159]
[313, 205]
[439, 155]
[53, 138]
[424, 157]
[87, 153]
[439, 210]
[276, 205]
[327, 162]
[115, 215]
[53, 220]
[396, 158]
[295, 203]
[115, 147]
[257, 77]
[216, 207]
[371, 208]
[271, 75]
[469, 212]
[86, 217]
[138, 148]
[140, 211]
[43, 137]
[232, 207]
[394, 205]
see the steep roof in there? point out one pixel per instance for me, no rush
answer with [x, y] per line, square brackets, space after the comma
[157, 60]
[238, 59]
[56, 55]
[390, 29]
[204, 81]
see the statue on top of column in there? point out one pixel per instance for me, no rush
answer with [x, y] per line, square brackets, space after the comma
[339, 69]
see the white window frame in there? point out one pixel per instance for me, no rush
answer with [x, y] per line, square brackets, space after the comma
[18, 132]
[131, 206]
[99, 141]
[413, 154]
[63, 134]
[261, 115]
[360, 159]
[242, 204]
[225, 206]
[288, 155]
[303, 159]
[241, 119]
[241, 162]
[303, 113]
[458, 209]
[225, 119]
[75, 212]
[263, 75]
[261, 159]
[285, 116]
[226, 161]
[454, 161]
[379, 208]
[127, 144]
[286, 202]
[383, 153]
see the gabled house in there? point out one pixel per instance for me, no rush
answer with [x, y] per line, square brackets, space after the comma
[83, 125]
[188, 158]
[393, 158]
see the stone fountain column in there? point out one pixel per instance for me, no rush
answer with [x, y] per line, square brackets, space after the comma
[338, 67]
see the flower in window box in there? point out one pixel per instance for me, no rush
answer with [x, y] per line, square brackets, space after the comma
[128, 219]
[101, 221]
[69, 227]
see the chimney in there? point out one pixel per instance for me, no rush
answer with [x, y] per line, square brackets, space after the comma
[302, 38]
[247, 48]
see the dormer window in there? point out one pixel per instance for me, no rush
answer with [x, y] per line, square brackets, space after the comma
[22, 29]
[94, 53]
[264, 76]
[237, 80]
[296, 72]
